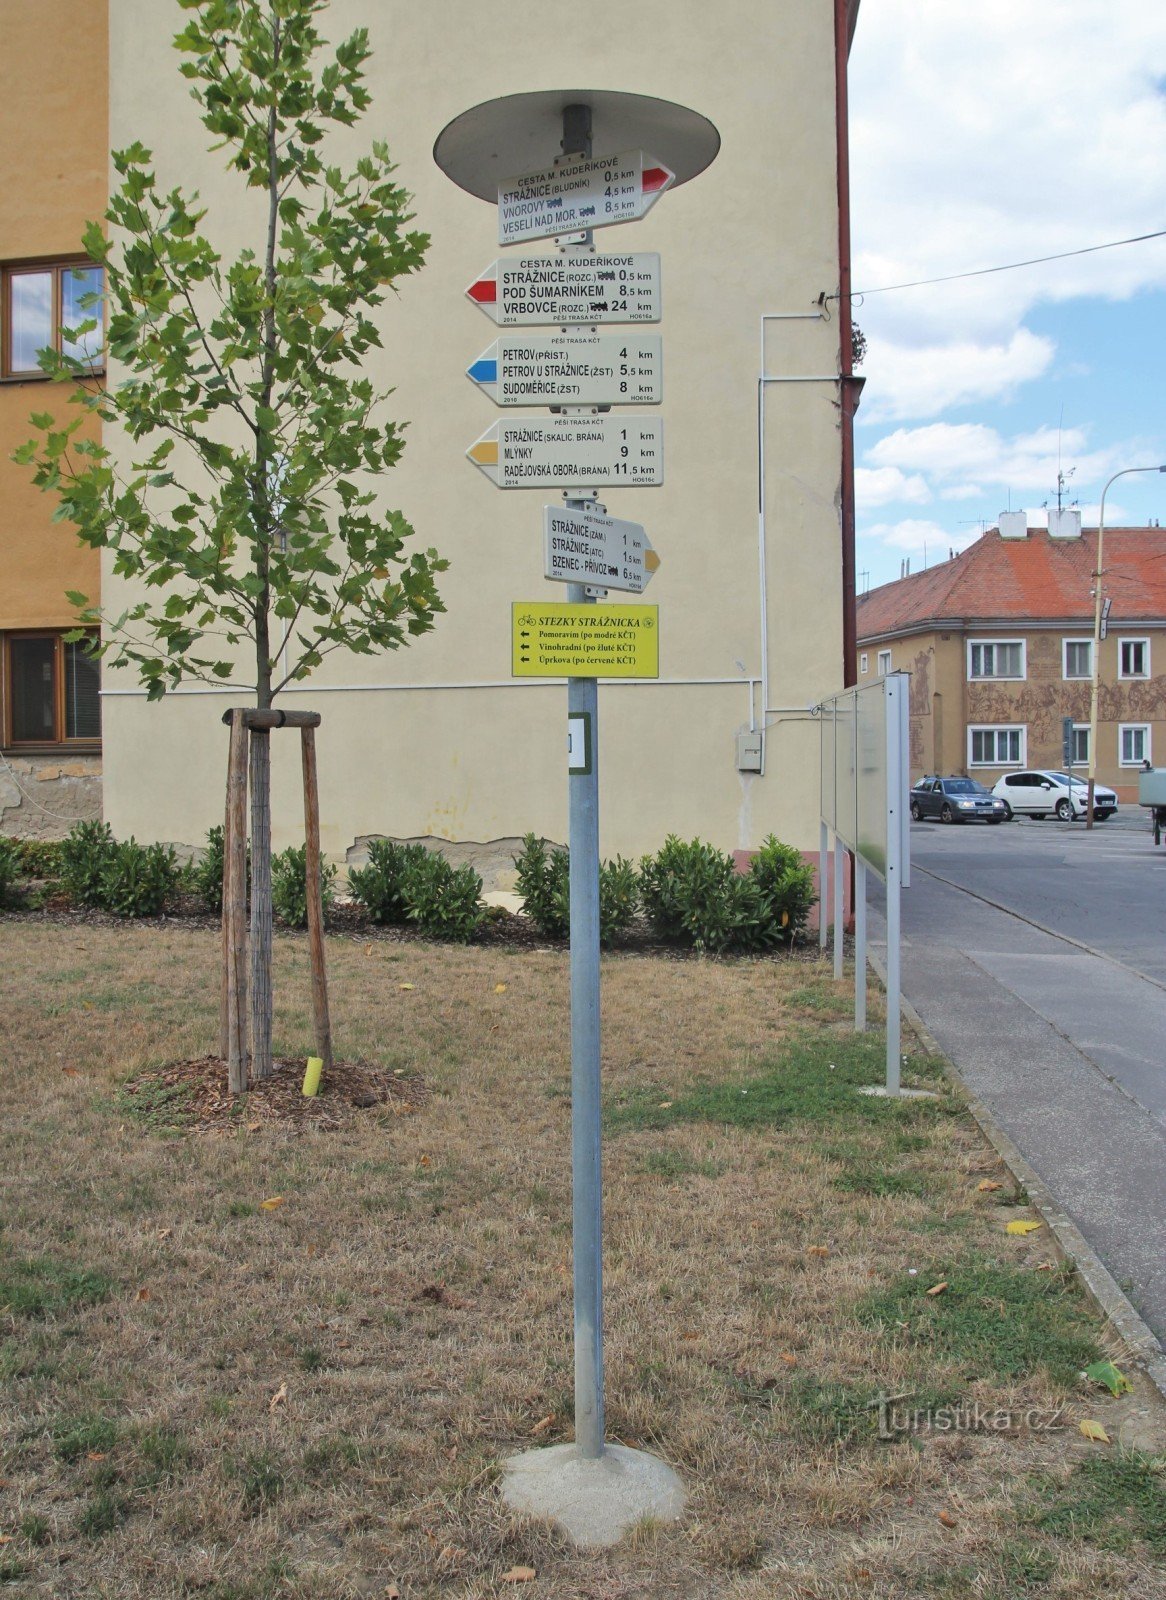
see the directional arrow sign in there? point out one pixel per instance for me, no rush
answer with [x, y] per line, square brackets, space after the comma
[588, 369]
[586, 547]
[572, 452]
[524, 291]
[590, 193]
[566, 640]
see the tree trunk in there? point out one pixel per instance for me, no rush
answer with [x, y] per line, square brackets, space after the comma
[261, 1064]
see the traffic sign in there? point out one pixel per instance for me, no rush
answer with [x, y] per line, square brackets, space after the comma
[586, 547]
[564, 639]
[572, 452]
[580, 287]
[593, 192]
[572, 369]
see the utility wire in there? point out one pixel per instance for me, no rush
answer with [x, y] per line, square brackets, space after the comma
[1011, 266]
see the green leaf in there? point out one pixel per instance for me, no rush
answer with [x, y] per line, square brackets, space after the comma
[1107, 1376]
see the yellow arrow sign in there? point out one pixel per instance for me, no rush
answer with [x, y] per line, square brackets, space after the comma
[567, 640]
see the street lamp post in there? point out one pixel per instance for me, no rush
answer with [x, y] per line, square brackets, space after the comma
[1093, 693]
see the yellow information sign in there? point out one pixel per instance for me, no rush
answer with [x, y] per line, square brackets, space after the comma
[563, 639]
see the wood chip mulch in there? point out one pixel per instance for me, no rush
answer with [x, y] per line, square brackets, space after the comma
[192, 1097]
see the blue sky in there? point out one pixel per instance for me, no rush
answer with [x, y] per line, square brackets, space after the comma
[985, 132]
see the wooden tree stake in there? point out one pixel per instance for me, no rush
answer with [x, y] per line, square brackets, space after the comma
[315, 898]
[235, 907]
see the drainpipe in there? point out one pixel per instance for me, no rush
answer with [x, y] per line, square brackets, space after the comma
[850, 387]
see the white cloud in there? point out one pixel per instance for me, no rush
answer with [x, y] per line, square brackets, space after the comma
[950, 454]
[915, 536]
[879, 486]
[923, 380]
[962, 491]
[986, 132]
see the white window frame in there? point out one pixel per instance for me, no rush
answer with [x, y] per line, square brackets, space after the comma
[1083, 759]
[1075, 677]
[1133, 727]
[998, 677]
[996, 728]
[864, 663]
[1133, 638]
[884, 660]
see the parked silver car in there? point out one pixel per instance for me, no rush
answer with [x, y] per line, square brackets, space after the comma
[1052, 794]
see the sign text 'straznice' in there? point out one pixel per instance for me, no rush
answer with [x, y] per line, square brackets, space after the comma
[573, 452]
[581, 545]
[580, 194]
[529, 291]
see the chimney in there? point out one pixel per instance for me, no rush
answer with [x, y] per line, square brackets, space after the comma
[1014, 524]
[1064, 522]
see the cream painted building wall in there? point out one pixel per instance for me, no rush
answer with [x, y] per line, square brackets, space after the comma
[436, 739]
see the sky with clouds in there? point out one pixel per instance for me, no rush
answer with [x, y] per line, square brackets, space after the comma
[984, 132]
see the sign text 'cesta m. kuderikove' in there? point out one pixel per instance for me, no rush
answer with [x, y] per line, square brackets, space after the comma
[574, 287]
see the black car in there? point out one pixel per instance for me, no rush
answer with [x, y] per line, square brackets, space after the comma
[955, 800]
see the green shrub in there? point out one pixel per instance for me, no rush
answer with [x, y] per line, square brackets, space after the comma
[443, 901]
[204, 877]
[693, 894]
[289, 879]
[619, 898]
[786, 882]
[544, 883]
[9, 867]
[137, 880]
[85, 854]
[379, 886]
[38, 858]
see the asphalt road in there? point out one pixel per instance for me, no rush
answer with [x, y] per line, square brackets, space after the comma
[1036, 954]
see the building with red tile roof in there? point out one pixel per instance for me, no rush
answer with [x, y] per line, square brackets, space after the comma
[999, 642]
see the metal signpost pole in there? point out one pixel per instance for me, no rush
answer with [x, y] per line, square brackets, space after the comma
[859, 944]
[586, 1156]
[839, 870]
[896, 799]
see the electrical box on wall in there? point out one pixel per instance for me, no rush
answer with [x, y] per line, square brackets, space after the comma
[750, 752]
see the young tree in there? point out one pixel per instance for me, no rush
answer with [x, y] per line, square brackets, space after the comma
[244, 504]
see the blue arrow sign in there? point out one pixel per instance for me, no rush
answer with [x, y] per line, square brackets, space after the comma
[483, 371]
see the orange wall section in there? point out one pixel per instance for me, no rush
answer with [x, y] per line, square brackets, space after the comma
[54, 130]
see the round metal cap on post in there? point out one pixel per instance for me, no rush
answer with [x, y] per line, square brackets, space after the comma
[518, 133]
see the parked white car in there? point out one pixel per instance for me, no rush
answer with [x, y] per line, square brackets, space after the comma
[1052, 794]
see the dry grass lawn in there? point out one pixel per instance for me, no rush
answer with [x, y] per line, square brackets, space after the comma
[203, 1397]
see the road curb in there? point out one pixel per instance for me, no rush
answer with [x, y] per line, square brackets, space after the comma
[1100, 1284]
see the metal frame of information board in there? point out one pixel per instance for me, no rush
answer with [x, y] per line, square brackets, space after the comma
[865, 743]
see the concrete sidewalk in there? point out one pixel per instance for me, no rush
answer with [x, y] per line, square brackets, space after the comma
[1023, 1015]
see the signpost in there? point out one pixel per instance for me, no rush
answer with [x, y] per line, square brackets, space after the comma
[577, 453]
[581, 545]
[571, 369]
[558, 639]
[594, 1490]
[580, 193]
[524, 291]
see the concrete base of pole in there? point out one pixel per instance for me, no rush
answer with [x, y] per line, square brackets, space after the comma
[594, 1502]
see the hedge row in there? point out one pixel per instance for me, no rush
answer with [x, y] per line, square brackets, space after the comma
[690, 893]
